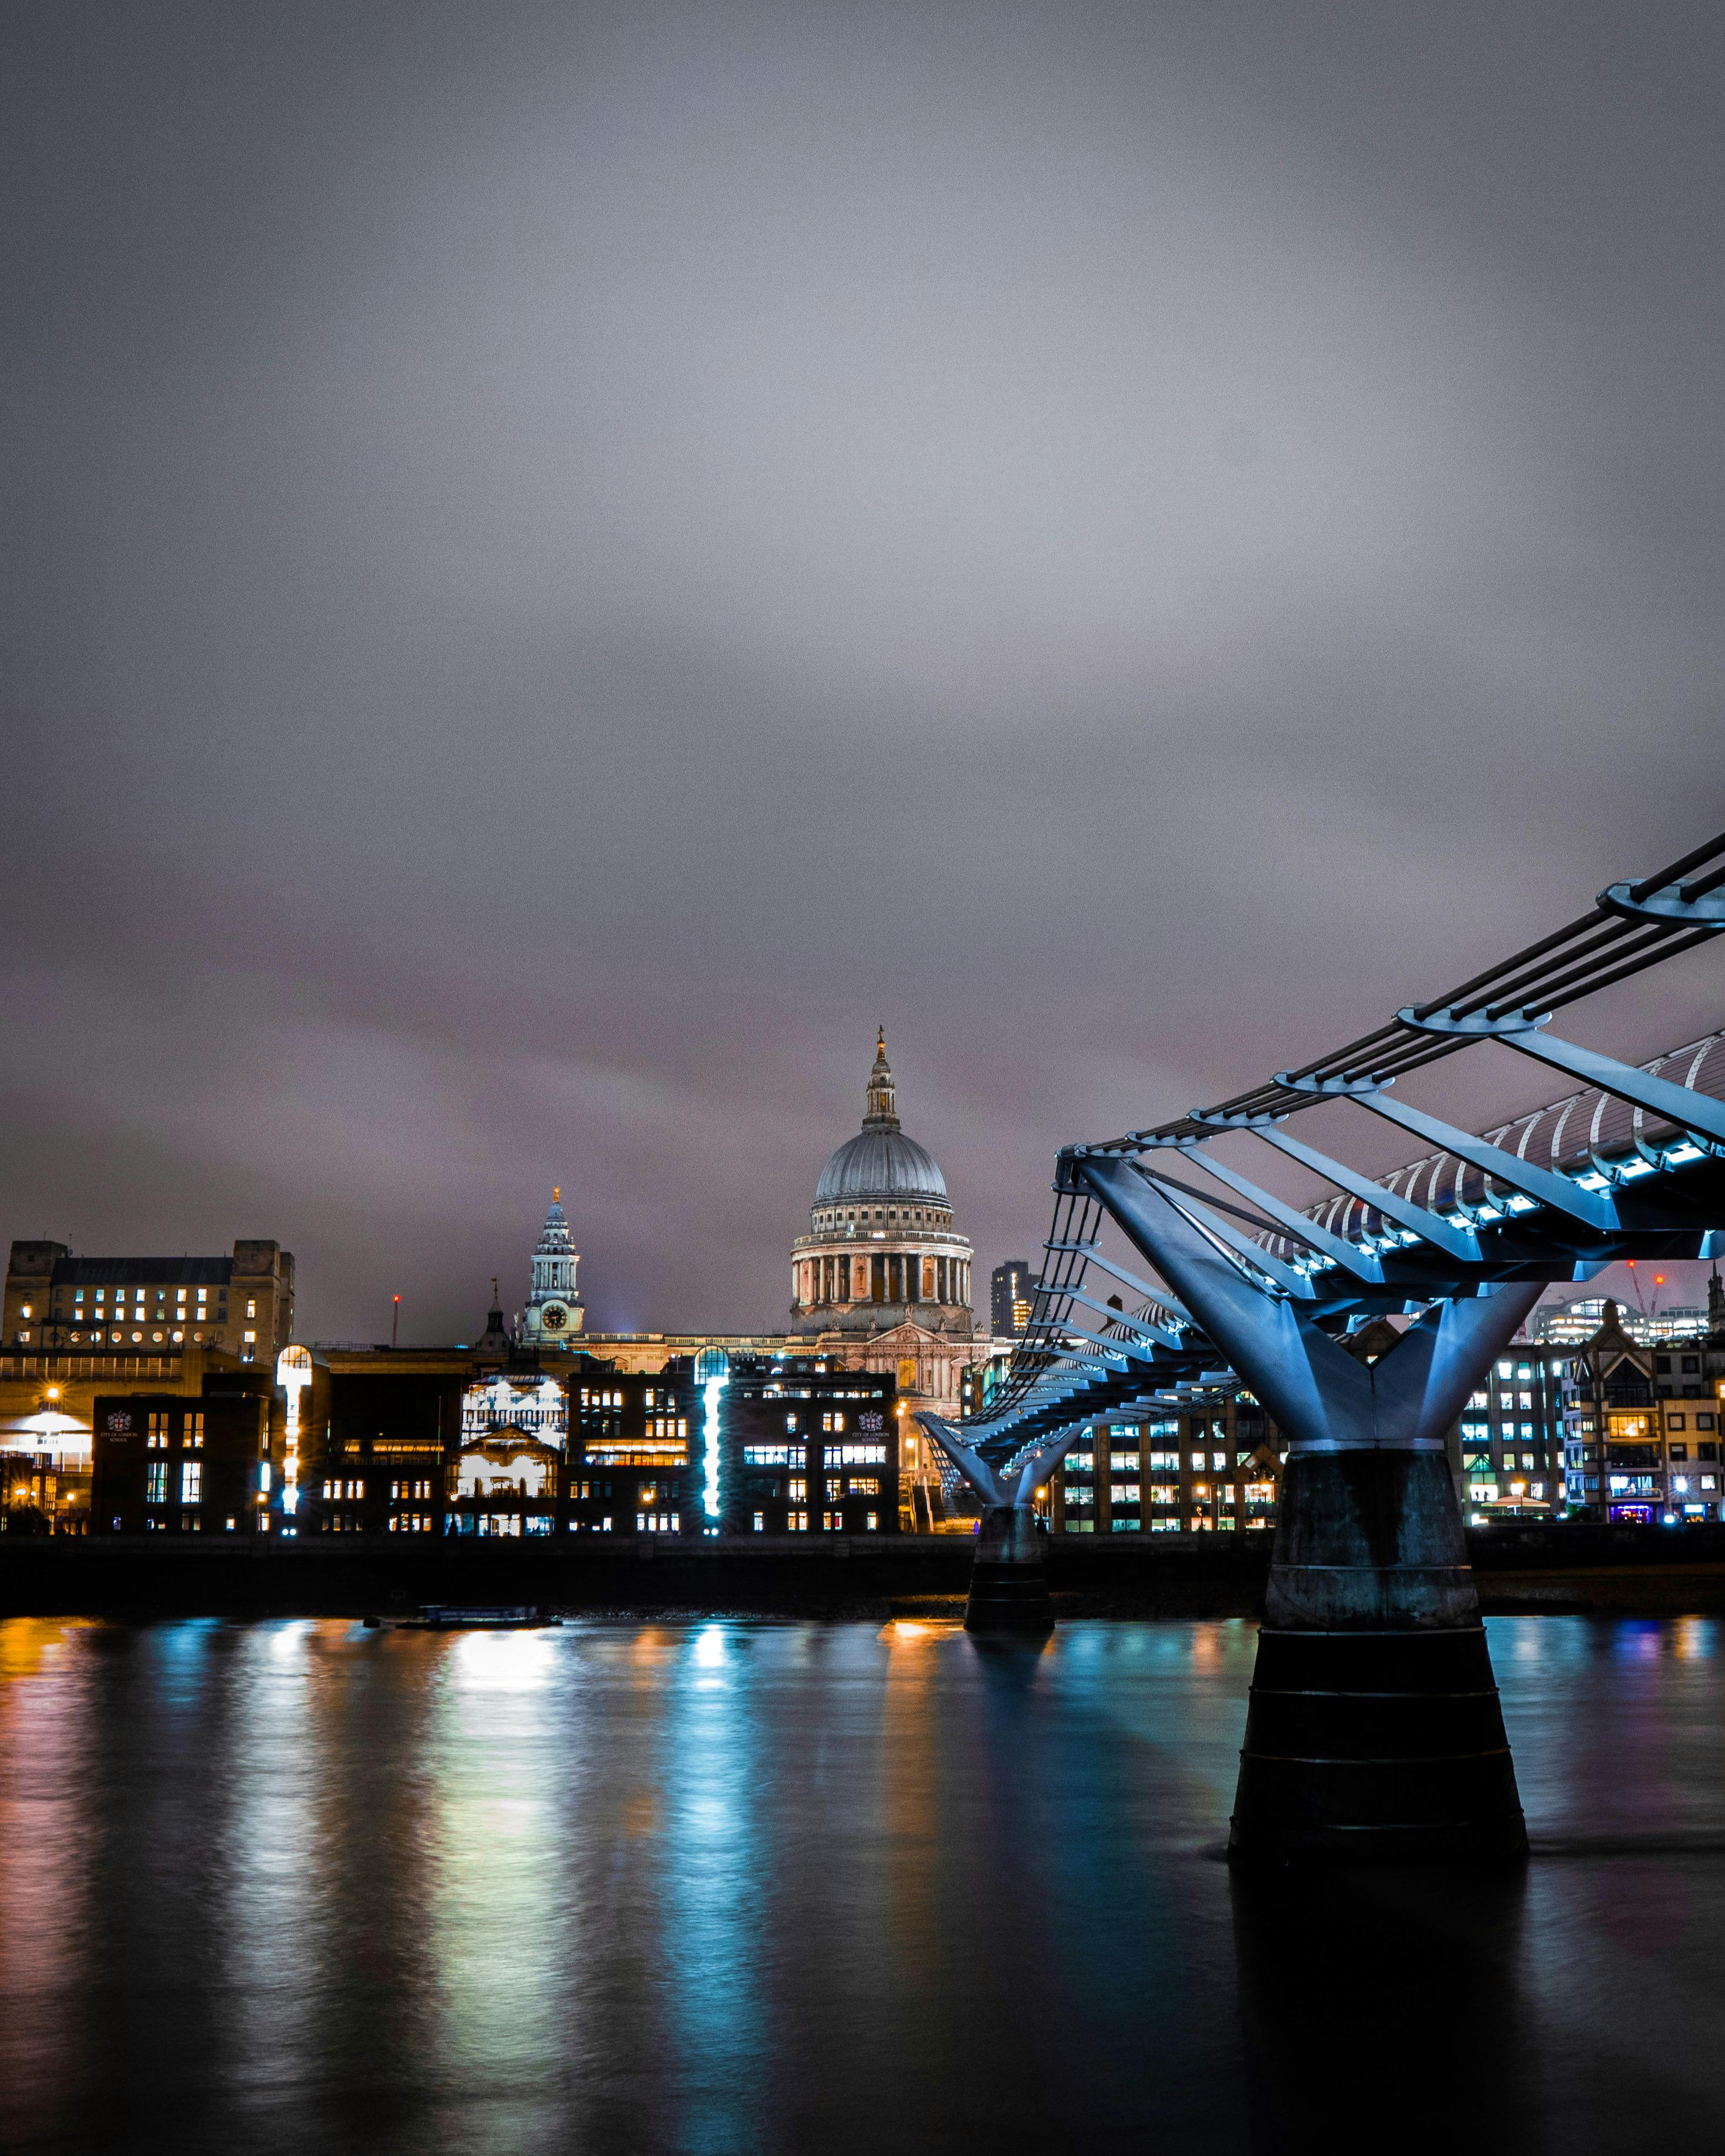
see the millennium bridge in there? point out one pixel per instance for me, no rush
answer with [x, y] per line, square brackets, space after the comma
[1374, 1731]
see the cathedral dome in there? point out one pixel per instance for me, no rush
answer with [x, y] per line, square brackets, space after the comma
[879, 1162]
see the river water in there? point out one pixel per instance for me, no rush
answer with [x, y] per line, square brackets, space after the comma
[762, 1887]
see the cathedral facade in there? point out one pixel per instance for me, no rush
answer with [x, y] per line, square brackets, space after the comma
[881, 1247]
[881, 1281]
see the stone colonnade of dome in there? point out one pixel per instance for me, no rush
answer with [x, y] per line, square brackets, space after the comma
[922, 1273]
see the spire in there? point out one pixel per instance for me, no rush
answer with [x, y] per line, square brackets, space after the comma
[557, 1193]
[1716, 1304]
[495, 1340]
[882, 1114]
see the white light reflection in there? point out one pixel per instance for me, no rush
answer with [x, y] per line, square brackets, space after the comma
[496, 1760]
[714, 1777]
[501, 1661]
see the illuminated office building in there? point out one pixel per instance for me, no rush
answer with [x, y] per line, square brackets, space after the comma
[1011, 1289]
[734, 1445]
[1572, 1324]
[75, 1329]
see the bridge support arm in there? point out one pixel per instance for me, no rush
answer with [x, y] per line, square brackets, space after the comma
[1681, 1105]
[1008, 1573]
[1374, 1732]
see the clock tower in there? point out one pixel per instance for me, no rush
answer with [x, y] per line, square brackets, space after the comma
[553, 1312]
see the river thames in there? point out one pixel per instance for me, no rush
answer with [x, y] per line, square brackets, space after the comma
[759, 1888]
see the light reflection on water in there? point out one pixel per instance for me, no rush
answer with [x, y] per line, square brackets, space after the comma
[771, 1887]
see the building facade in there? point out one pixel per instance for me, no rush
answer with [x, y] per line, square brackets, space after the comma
[1572, 1324]
[167, 1463]
[242, 1304]
[717, 1444]
[1213, 1466]
[1012, 1290]
[1641, 1423]
[78, 1329]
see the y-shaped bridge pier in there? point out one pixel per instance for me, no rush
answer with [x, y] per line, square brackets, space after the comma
[1374, 1731]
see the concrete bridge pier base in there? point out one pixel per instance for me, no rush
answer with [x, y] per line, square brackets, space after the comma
[1374, 1734]
[1009, 1575]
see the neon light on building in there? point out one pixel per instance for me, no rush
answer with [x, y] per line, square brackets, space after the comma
[712, 1373]
[293, 1374]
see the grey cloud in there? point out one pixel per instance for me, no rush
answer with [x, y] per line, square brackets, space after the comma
[566, 562]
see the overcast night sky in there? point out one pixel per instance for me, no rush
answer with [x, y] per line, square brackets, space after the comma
[562, 562]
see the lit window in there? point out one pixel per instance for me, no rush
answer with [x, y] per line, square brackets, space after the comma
[155, 1493]
[191, 1481]
[760, 1523]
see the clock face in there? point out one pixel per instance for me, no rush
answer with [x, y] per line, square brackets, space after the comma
[554, 1318]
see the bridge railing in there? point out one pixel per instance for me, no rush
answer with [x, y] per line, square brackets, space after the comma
[1577, 1159]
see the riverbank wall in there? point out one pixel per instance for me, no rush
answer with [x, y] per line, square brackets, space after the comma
[1625, 1571]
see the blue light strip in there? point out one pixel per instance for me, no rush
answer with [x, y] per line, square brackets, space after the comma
[710, 1393]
